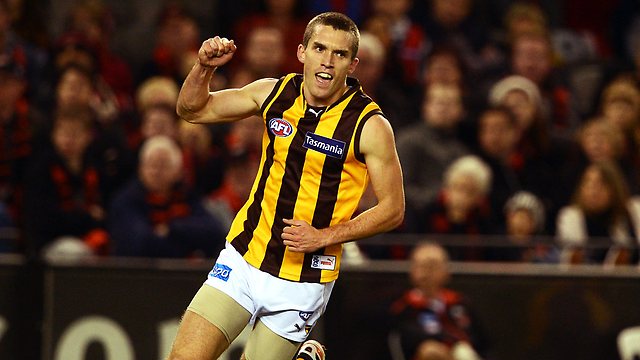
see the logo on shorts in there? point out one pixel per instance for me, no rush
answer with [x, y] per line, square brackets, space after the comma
[280, 127]
[220, 271]
[323, 262]
[305, 315]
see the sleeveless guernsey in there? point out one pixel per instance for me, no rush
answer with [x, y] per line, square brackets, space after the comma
[311, 169]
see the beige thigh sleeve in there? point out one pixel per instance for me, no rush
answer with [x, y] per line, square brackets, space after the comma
[220, 310]
[264, 344]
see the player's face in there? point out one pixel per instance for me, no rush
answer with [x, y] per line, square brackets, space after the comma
[327, 61]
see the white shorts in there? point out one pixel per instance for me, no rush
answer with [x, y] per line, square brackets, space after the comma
[290, 309]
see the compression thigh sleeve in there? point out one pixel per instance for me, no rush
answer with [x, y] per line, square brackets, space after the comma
[220, 310]
[264, 344]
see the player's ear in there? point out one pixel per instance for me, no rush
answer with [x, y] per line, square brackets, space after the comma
[352, 66]
[300, 53]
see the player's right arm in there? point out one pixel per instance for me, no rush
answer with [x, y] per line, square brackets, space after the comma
[197, 104]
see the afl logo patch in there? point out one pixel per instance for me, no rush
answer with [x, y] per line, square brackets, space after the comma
[280, 127]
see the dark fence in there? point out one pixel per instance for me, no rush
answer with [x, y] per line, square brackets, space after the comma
[115, 309]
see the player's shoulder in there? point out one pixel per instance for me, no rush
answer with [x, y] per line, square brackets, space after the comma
[264, 84]
[377, 123]
[377, 135]
[260, 89]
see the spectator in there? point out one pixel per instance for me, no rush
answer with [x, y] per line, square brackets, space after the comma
[370, 70]
[570, 46]
[79, 85]
[18, 124]
[404, 40]
[285, 15]
[431, 141]
[461, 207]
[90, 22]
[176, 45]
[17, 50]
[154, 91]
[226, 201]
[76, 87]
[156, 215]
[159, 119]
[456, 23]
[620, 105]
[444, 66]
[384, 91]
[263, 57]
[245, 136]
[156, 102]
[598, 140]
[497, 138]
[532, 58]
[592, 19]
[539, 156]
[203, 161]
[523, 18]
[525, 217]
[602, 216]
[523, 97]
[431, 321]
[64, 188]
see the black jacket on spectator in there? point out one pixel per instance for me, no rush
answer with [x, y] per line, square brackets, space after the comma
[59, 202]
[135, 214]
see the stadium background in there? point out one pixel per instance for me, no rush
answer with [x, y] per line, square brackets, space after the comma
[113, 309]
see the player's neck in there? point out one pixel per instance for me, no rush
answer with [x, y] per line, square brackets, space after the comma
[320, 103]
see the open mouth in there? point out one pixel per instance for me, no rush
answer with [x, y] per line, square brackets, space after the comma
[324, 77]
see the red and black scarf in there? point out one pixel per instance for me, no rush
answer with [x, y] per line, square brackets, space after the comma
[165, 208]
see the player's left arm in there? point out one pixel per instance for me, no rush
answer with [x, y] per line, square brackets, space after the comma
[377, 144]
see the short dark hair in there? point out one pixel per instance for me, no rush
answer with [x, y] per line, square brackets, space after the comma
[337, 21]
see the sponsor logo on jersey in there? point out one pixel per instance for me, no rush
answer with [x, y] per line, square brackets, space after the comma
[330, 147]
[280, 127]
[323, 262]
[220, 271]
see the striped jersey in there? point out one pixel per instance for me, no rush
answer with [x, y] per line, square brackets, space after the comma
[311, 169]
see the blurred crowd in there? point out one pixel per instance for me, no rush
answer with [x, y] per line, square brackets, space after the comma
[516, 119]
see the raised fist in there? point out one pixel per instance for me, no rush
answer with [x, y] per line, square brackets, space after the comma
[216, 51]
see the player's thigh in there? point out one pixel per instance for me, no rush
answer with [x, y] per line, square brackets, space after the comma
[212, 321]
[221, 310]
[197, 338]
[264, 344]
